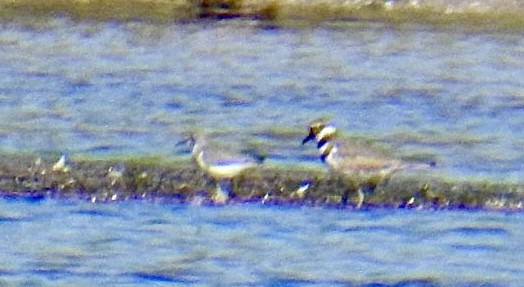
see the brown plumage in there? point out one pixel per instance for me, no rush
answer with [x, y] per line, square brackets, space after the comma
[351, 156]
[356, 158]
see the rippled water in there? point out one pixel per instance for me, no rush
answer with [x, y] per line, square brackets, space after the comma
[51, 243]
[106, 88]
[113, 88]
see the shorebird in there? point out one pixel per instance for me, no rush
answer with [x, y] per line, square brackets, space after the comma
[221, 164]
[355, 158]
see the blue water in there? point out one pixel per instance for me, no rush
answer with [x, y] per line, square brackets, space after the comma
[104, 88]
[57, 243]
[134, 88]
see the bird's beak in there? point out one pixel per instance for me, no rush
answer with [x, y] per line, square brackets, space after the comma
[309, 137]
[185, 141]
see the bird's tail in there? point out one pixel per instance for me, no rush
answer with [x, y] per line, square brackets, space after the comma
[419, 165]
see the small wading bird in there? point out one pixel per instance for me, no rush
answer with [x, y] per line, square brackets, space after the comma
[221, 164]
[355, 158]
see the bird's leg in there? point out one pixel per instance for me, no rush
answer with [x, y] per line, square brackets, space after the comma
[360, 197]
[223, 191]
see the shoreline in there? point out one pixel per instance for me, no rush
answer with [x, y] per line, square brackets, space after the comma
[282, 13]
[156, 179]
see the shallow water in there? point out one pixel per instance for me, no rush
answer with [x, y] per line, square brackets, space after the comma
[134, 88]
[57, 243]
[106, 88]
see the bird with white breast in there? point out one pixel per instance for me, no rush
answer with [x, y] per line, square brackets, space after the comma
[355, 158]
[221, 164]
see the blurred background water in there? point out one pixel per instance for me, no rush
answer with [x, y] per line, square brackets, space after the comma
[56, 243]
